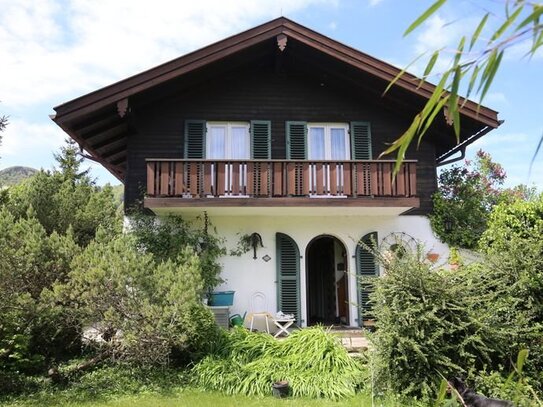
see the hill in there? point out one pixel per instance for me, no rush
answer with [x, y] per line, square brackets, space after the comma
[13, 175]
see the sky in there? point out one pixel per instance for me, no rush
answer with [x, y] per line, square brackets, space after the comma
[52, 51]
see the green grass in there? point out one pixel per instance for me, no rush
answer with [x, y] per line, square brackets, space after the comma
[191, 398]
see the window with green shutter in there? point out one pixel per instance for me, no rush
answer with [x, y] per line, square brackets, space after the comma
[260, 139]
[288, 275]
[195, 132]
[361, 140]
[366, 266]
[296, 140]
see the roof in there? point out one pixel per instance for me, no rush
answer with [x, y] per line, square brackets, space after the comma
[97, 120]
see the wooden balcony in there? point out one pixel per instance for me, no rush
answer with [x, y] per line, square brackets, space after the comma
[184, 182]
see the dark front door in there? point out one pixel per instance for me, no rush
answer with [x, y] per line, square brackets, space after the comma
[321, 282]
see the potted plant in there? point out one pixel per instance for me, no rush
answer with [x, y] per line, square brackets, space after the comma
[455, 260]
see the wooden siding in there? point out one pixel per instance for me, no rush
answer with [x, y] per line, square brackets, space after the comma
[260, 93]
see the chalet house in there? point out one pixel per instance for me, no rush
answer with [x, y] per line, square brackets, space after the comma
[278, 131]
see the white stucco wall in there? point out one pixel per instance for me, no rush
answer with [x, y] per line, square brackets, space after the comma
[250, 278]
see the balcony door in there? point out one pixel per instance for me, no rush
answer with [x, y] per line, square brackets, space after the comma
[228, 141]
[231, 142]
[329, 142]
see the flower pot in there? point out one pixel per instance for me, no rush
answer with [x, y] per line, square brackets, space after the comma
[280, 389]
[432, 257]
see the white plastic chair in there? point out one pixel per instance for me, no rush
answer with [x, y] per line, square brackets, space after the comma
[259, 306]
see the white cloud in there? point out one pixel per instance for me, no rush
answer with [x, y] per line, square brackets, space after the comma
[374, 3]
[22, 140]
[440, 32]
[52, 49]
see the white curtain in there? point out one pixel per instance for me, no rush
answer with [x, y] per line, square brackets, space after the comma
[316, 143]
[337, 144]
[239, 143]
[217, 142]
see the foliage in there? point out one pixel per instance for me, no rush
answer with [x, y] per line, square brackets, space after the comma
[311, 360]
[512, 386]
[114, 380]
[30, 262]
[465, 198]
[433, 323]
[426, 324]
[519, 219]
[477, 57]
[166, 238]
[144, 311]
[66, 198]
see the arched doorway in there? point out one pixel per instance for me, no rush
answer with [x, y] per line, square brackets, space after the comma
[326, 281]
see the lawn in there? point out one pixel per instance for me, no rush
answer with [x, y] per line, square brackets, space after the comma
[190, 398]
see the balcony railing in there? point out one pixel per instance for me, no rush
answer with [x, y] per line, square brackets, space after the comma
[185, 178]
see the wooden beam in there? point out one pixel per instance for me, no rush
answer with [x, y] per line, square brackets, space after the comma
[113, 152]
[403, 202]
[108, 141]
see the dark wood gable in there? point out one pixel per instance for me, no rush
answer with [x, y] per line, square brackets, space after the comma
[274, 74]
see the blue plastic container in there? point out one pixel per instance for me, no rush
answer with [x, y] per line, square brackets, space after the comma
[221, 298]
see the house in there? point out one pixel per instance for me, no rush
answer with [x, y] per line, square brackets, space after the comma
[278, 131]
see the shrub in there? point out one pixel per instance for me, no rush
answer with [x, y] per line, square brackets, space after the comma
[144, 311]
[311, 360]
[30, 263]
[520, 219]
[426, 326]
[165, 239]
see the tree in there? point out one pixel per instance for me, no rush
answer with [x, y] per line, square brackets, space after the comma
[465, 198]
[3, 124]
[69, 162]
[477, 58]
[31, 261]
[143, 311]
[513, 220]
[66, 198]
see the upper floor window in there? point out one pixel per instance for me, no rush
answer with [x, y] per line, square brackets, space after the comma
[228, 140]
[328, 141]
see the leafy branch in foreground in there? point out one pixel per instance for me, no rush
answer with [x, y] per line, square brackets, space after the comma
[477, 59]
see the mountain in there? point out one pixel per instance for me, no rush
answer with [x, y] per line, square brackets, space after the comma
[14, 175]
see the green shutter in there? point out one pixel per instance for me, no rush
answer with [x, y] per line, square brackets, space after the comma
[195, 135]
[361, 140]
[260, 139]
[366, 266]
[288, 275]
[296, 140]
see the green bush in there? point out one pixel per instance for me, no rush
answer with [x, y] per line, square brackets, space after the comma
[311, 360]
[520, 219]
[165, 238]
[427, 326]
[145, 311]
[496, 384]
[30, 263]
